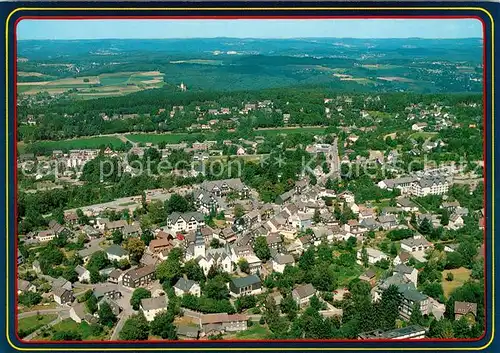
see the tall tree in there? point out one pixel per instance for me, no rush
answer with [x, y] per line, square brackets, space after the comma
[261, 248]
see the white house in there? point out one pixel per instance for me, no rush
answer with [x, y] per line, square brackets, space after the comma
[374, 255]
[153, 306]
[187, 286]
[83, 273]
[407, 272]
[417, 243]
[116, 252]
[185, 222]
[303, 293]
[418, 126]
[45, 235]
[280, 261]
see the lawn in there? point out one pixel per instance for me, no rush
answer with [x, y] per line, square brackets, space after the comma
[346, 274]
[157, 138]
[294, 130]
[460, 276]
[83, 143]
[82, 328]
[255, 332]
[30, 324]
[46, 306]
[423, 134]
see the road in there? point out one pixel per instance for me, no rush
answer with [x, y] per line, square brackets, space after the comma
[119, 325]
[334, 160]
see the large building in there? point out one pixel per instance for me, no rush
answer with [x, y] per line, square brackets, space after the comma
[184, 222]
[429, 186]
[408, 332]
[138, 277]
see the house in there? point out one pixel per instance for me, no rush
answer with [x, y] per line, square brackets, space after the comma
[408, 332]
[187, 332]
[187, 286]
[138, 277]
[78, 313]
[115, 308]
[303, 293]
[112, 226]
[61, 282]
[280, 261]
[157, 246]
[71, 218]
[408, 272]
[451, 247]
[435, 185]
[116, 252]
[403, 184]
[111, 291]
[412, 298]
[45, 235]
[63, 296]
[25, 286]
[83, 273]
[465, 309]
[418, 126]
[274, 241]
[406, 205]
[115, 276]
[132, 230]
[86, 253]
[221, 188]
[417, 243]
[388, 221]
[455, 222]
[402, 258]
[368, 276]
[249, 285]
[450, 206]
[184, 222]
[220, 323]
[374, 256]
[153, 306]
[36, 266]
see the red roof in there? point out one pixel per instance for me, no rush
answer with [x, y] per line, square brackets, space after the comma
[180, 236]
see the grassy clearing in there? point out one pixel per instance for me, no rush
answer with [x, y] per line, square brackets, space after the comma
[83, 328]
[157, 138]
[35, 322]
[46, 306]
[254, 332]
[83, 143]
[293, 130]
[460, 276]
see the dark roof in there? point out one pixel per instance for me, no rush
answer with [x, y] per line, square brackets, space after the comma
[305, 290]
[140, 272]
[116, 250]
[245, 281]
[184, 284]
[154, 303]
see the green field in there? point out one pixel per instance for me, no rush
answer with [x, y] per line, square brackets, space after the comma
[30, 324]
[83, 143]
[110, 84]
[181, 137]
[157, 138]
[83, 328]
[254, 332]
[287, 131]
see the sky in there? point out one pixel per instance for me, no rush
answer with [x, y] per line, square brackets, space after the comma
[337, 28]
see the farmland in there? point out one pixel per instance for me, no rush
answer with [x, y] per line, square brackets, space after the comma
[106, 84]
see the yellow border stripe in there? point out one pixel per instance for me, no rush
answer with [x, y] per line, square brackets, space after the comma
[30, 349]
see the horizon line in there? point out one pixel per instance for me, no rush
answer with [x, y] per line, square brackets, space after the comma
[253, 38]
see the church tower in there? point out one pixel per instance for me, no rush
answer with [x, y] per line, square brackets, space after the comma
[199, 243]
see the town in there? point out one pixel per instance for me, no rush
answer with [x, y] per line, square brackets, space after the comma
[352, 232]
